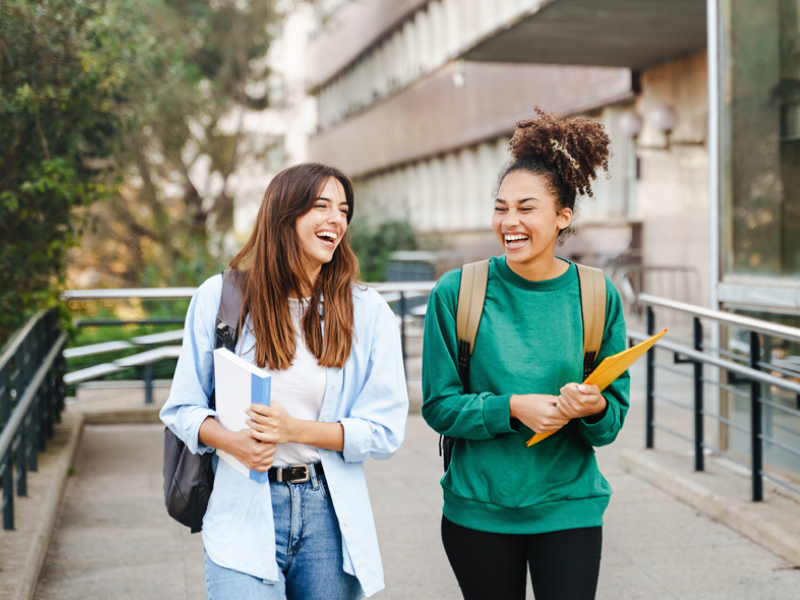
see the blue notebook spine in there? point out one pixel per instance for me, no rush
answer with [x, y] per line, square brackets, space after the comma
[259, 394]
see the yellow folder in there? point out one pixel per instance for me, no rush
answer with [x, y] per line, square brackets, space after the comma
[608, 370]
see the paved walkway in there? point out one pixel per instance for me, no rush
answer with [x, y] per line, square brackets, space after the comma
[114, 540]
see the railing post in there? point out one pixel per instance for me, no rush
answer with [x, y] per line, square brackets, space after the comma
[22, 462]
[756, 446]
[403, 329]
[5, 395]
[651, 362]
[7, 458]
[33, 438]
[147, 376]
[61, 389]
[8, 490]
[698, 398]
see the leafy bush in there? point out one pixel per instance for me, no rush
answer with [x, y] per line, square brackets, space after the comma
[374, 244]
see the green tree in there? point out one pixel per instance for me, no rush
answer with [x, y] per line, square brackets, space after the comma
[185, 116]
[105, 108]
[63, 66]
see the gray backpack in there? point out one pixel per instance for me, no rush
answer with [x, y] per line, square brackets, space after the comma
[189, 478]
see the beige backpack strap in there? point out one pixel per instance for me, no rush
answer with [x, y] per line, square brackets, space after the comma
[593, 306]
[471, 294]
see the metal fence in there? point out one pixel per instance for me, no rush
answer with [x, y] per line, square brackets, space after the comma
[755, 371]
[150, 350]
[31, 400]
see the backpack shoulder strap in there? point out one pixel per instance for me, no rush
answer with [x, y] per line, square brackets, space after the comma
[230, 308]
[471, 295]
[593, 307]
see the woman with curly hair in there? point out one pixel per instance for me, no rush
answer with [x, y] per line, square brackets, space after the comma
[338, 397]
[509, 507]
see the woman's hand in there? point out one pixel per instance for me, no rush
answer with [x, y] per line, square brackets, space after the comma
[272, 424]
[243, 445]
[580, 401]
[538, 411]
[248, 450]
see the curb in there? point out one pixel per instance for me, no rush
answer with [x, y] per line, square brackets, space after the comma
[768, 535]
[35, 562]
[122, 417]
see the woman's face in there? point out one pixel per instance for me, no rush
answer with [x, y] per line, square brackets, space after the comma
[527, 218]
[321, 229]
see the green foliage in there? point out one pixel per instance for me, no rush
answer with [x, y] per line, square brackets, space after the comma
[184, 129]
[58, 81]
[103, 105]
[373, 245]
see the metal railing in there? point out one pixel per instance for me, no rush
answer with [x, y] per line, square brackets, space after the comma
[751, 371]
[31, 400]
[394, 292]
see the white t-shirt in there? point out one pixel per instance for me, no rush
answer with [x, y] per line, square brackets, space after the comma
[299, 390]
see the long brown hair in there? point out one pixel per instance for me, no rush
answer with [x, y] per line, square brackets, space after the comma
[272, 265]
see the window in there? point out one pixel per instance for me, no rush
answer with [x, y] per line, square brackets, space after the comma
[761, 136]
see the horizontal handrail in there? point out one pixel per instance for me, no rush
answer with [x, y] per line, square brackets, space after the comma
[137, 360]
[22, 406]
[122, 293]
[751, 324]
[695, 355]
[188, 292]
[142, 340]
[403, 286]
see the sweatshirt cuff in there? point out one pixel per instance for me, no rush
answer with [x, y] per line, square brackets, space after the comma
[497, 414]
[600, 427]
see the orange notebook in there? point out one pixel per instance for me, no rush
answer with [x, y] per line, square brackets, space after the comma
[608, 370]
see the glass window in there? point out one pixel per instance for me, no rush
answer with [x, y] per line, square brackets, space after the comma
[761, 136]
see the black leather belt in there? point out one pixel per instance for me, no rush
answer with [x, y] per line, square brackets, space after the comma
[294, 473]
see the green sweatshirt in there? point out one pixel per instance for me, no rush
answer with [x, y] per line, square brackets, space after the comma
[530, 341]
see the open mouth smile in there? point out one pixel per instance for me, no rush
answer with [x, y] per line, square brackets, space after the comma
[328, 238]
[515, 240]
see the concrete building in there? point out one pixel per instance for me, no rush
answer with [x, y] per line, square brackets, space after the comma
[417, 101]
[701, 98]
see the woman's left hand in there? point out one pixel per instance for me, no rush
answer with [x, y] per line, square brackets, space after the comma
[271, 423]
[577, 401]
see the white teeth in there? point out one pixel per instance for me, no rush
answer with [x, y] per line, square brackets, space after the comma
[329, 234]
[514, 238]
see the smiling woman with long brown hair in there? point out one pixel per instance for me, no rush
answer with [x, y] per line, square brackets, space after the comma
[338, 397]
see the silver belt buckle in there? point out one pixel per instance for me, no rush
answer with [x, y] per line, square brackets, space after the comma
[306, 477]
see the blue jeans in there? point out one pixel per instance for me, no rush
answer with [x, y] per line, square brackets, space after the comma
[308, 548]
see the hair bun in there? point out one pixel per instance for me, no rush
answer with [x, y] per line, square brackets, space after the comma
[573, 146]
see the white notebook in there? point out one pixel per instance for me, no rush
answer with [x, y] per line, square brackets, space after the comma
[238, 384]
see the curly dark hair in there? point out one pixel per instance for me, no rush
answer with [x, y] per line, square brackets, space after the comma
[566, 150]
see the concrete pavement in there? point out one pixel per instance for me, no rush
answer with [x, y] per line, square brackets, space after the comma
[114, 540]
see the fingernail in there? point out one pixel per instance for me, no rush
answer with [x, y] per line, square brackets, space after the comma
[582, 388]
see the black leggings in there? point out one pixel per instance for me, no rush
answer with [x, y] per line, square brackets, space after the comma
[491, 566]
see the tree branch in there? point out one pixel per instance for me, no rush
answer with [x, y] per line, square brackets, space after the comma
[42, 139]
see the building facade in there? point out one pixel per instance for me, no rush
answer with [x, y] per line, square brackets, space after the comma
[417, 100]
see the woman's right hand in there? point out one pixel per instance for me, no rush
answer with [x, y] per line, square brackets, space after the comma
[538, 412]
[253, 454]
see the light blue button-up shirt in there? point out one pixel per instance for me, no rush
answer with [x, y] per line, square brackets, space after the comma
[368, 397]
